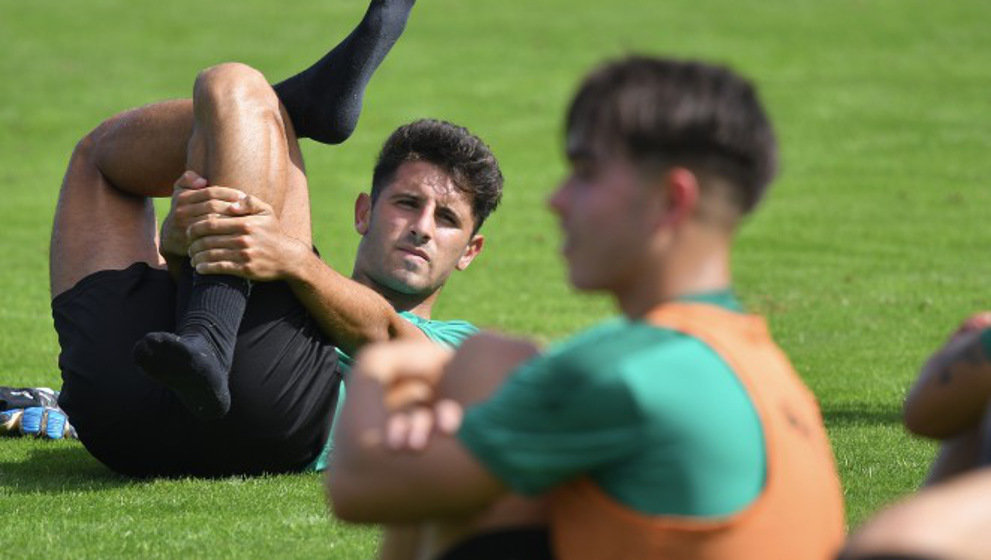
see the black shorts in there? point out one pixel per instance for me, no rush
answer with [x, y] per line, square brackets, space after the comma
[516, 543]
[284, 382]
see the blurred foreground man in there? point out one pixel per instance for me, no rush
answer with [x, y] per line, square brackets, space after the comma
[677, 430]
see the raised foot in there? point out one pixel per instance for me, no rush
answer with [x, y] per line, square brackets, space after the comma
[190, 368]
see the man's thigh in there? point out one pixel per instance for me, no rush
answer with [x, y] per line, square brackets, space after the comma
[96, 226]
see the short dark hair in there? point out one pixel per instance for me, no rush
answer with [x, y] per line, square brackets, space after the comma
[470, 163]
[674, 112]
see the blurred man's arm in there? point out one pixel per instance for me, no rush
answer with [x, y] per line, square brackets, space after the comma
[392, 467]
[949, 520]
[953, 390]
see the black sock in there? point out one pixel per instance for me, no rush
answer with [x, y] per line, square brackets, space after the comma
[216, 305]
[183, 290]
[324, 100]
[195, 362]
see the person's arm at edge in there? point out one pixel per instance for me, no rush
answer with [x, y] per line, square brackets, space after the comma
[953, 389]
[371, 483]
[948, 520]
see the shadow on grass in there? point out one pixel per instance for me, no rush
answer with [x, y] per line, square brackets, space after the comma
[853, 414]
[58, 469]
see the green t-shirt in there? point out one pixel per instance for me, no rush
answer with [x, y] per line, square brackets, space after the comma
[655, 417]
[448, 333]
[986, 342]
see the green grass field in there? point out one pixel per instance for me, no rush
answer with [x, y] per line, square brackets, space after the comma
[871, 247]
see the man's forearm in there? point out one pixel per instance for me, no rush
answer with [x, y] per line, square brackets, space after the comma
[351, 314]
[371, 483]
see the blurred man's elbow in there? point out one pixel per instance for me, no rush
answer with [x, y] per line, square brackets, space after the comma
[916, 419]
[344, 499]
[923, 418]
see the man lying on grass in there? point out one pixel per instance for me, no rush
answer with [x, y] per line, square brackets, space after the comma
[677, 430]
[218, 394]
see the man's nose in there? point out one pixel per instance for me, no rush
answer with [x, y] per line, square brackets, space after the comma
[423, 226]
[558, 200]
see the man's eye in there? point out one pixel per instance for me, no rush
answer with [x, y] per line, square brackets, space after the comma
[406, 203]
[583, 171]
[448, 219]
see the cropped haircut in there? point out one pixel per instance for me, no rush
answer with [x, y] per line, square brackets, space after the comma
[672, 112]
[462, 155]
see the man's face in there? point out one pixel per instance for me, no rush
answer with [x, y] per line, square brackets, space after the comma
[418, 231]
[605, 211]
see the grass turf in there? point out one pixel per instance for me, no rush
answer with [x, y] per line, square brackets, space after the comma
[867, 252]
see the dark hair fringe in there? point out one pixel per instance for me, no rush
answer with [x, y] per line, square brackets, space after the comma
[682, 113]
[469, 161]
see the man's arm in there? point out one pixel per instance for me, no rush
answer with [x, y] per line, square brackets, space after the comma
[949, 520]
[954, 387]
[370, 481]
[352, 314]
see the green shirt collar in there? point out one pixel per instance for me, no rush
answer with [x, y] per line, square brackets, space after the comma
[723, 298]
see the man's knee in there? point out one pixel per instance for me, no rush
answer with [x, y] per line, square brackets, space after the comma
[233, 89]
[86, 151]
[92, 150]
[83, 174]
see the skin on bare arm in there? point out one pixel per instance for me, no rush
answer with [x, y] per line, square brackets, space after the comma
[953, 389]
[370, 481]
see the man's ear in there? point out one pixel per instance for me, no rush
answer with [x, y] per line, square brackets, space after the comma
[471, 251]
[362, 213]
[681, 195]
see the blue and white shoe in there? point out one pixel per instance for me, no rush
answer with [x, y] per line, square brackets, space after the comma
[33, 412]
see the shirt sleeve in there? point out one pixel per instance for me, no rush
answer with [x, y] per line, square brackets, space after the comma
[547, 424]
[986, 342]
[448, 333]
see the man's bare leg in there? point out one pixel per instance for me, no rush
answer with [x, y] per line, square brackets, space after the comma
[240, 139]
[104, 220]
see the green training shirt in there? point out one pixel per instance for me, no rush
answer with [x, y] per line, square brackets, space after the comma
[655, 417]
[448, 333]
[986, 342]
